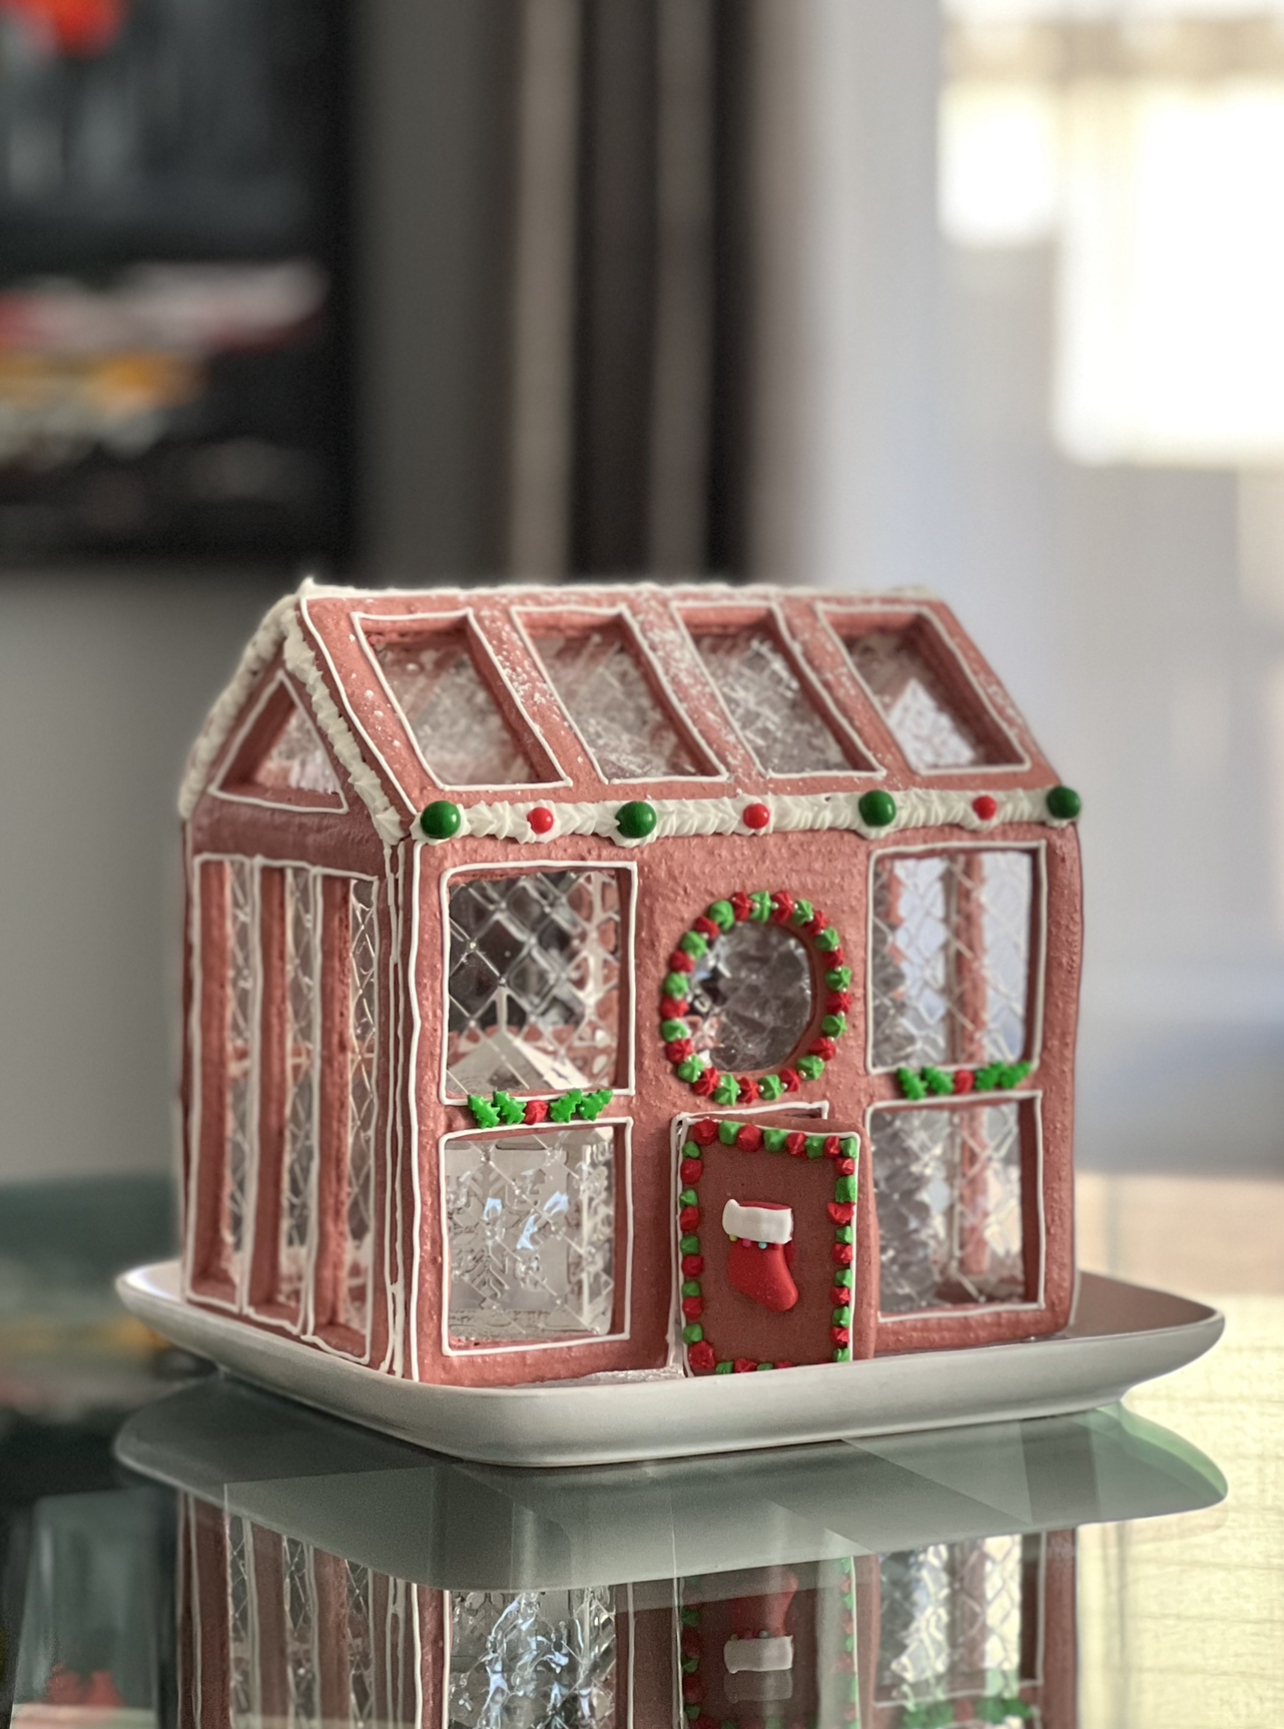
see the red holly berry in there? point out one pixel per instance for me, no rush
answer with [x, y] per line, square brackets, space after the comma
[756, 816]
[838, 1002]
[692, 1308]
[690, 1637]
[745, 1365]
[782, 1364]
[706, 1082]
[796, 1144]
[834, 958]
[692, 1691]
[681, 962]
[707, 928]
[691, 1170]
[964, 1080]
[701, 1357]
[672, 1008]
[818, 923]
[749, 1137]
[782, 906]
[986, 807]
[692, 1266]
[678, 1050]
[536, 1111]
[833, 1147]
[741, 906]
[840, 1296]
[841, 1335]
[840, 1211]
[789, 1080]
[540, 819]
[823, 1048]
[844, 1254]
[748, 1090]
[705, 1132]
[847, 1167]
[688, 1219]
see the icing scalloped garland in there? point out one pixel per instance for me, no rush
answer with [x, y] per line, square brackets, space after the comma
[916, 807]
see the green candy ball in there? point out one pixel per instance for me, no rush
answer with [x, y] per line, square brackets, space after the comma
[636, 820]
[1064, 803]
[441, 820]
[877, 808]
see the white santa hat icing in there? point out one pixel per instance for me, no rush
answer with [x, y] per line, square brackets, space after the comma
[758, 1656]
[762, 1222]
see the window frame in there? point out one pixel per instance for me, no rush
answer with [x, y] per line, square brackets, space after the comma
[1036, 974]
[625, 1233]
[626, 1042]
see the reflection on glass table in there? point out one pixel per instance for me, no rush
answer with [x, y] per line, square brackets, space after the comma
[313, 1573]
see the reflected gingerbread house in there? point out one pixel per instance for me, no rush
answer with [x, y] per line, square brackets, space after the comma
[626, 978]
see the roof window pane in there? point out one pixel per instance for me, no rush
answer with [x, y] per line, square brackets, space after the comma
[601, 685]
[920, 689]
[772, 712]
[297, 761]
[455, 721]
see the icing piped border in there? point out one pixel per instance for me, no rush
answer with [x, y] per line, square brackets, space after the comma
[795, 813]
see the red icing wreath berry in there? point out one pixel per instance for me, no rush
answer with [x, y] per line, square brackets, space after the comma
[701, 1358]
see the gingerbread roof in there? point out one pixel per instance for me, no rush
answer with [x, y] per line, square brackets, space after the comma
[707, 699]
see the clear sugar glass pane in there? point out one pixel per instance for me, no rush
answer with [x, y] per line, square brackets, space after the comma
[956, 1623]
[242, 1024]
[534, 983]
[451, 713]
[302, 1009]
[950, 957]
[925, 720]
[947, 1182]
[531, 1225]
[298, 759]
[601, 685]
[771, 710]
[363, 1102]
[532, 1660]
[751, 997]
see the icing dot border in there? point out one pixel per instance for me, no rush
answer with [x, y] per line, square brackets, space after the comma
[761, 906]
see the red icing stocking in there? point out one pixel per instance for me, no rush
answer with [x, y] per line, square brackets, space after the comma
[761, 1252]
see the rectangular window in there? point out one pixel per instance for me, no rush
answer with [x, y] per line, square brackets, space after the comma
[534, 982]
[302, 1652]
[531, 1233]
[928, 700]
[951, 947]
[948, 1183]
[959, 1625]
[568, 1674]
[302, 1065]
[356, 1209]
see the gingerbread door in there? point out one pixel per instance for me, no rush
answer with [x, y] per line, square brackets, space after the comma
[766, 1241]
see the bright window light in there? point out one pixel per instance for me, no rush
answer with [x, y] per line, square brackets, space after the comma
[999, 179]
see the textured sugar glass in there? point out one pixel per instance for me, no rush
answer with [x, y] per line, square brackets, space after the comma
[948, 1186]
[600, 683]
[772, 712]
[297, 759]
[531, 1225]
[950, 957]
[959, 1622]
[533, 984]
[455, 720]
[751, 997]
[533, 1660]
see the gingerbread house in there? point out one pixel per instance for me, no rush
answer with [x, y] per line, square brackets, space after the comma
[626, 978]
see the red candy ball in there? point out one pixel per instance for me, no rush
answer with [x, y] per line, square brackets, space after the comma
[540, 819]
[986, 807]
[756, 816]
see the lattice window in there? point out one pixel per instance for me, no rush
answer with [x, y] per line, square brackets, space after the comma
[301, 1654]
[297, 760]
[534, 1660]
[530, 1220]
[302, 1047]
[241, 1137]
[947, 1182]
[751, 997]
[950, 952]
[363, 1104]
[534, 982]
[243, 1626]
[958, 1622]
[358, 1585]
[461, 733]
[770, 708]
[601, 685]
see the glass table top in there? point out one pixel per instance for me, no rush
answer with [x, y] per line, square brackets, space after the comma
[178, 1547]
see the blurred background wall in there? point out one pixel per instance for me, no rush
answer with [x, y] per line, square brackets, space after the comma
[853, 292]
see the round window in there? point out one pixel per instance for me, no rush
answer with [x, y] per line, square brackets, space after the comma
[751, 999]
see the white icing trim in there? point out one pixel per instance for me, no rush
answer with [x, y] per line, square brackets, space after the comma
[812, 686]
[412, 1094]
[226, 711]
[623, 1133]
[1037, 975]
[916, 807]
[265, 798]
[631, 629]
[827, 614]
[628, 970]
[443, 621]
[758, 1656]
[759, 1222]
[969, 1311]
